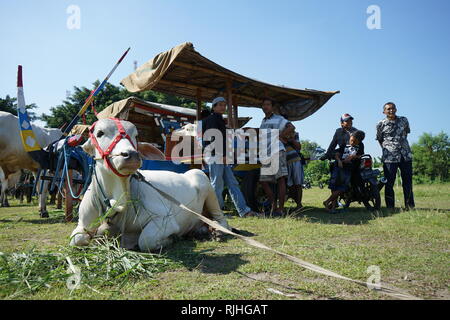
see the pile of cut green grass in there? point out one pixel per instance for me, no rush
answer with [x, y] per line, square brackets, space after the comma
[102, 264]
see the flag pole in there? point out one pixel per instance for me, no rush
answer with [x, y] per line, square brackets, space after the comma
[92, 96]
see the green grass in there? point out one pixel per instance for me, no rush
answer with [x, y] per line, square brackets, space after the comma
[411, 248]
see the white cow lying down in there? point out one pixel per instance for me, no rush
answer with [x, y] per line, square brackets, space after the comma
[139, 214]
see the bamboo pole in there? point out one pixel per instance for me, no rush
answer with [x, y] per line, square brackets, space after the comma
[235, 115]
[230, 104]
[59, 201]
[210, 91]
[69, 199]
[199, 103]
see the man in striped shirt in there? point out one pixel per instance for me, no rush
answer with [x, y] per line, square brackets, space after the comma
[274, 121]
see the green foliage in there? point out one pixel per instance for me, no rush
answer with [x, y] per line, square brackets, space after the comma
[10, 105]
[308, 147]
[318, 171]
[377, 162]
[431, 155]
[63, 113]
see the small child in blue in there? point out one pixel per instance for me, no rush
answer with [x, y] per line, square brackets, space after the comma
[347, 159]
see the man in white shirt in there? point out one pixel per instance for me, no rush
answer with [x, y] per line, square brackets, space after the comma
[274, 121]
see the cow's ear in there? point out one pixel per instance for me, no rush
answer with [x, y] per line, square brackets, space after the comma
[88, 147]
[150, 152]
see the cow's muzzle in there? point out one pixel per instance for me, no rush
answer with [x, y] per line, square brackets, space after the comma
[128, 162]
[131, 155]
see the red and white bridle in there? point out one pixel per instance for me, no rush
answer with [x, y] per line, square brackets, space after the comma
[106, 154]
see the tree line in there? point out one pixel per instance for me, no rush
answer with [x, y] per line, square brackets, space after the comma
[9, 104]
[63, 113]
[431, 153]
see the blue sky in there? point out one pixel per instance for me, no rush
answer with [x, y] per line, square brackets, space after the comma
[318, 44]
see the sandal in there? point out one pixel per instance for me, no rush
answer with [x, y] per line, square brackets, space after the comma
[252, 214]
[277, 214]
[327, 205]
[296, 210]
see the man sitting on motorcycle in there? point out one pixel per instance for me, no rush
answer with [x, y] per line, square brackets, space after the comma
[347, 159]
[341, 136]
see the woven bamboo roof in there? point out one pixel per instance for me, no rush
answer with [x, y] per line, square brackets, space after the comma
[184, 72]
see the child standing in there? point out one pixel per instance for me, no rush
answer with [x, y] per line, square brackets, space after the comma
[294, 164]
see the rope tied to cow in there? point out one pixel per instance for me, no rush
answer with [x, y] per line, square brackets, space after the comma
[391, 291]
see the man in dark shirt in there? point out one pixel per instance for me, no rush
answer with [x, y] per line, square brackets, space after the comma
[221, 174]
[341, 136]
[215, 121]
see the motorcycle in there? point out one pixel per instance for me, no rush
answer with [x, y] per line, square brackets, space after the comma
[307, 183]
[365, 183]
[365, 186]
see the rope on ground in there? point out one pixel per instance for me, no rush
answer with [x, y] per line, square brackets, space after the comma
[391, 291]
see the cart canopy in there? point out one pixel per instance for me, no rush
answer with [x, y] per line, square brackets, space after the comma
[182, 71]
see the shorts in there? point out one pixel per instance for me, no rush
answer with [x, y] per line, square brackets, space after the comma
[295, 174]
[282, 169]
[340, 178]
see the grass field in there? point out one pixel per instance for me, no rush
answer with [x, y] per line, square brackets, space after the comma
[412, 250]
